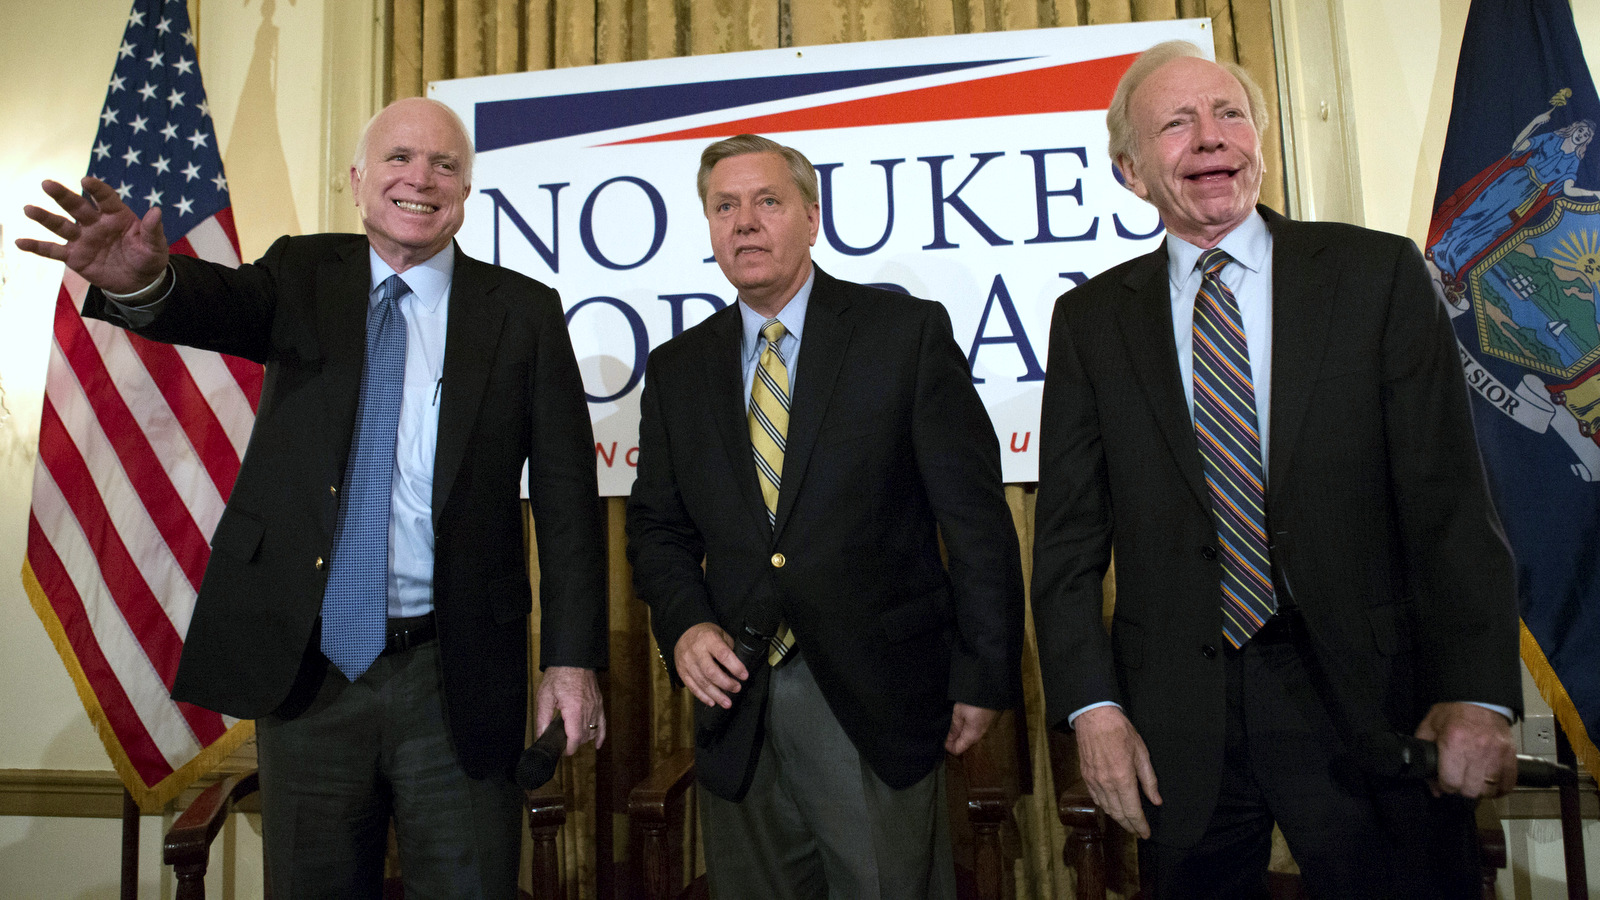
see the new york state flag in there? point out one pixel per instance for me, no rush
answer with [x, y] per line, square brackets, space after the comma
[1514, 248]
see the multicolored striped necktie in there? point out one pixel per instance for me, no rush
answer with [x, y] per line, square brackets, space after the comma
[769, 430]
[1230, 447]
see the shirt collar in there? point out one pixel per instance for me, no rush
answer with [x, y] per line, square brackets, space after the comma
[1249, 245]
[429, 279]
[793, 317]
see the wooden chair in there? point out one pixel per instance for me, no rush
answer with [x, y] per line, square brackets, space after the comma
[660, 813]
[1093, 839]
[1090, 832]
[188, 843]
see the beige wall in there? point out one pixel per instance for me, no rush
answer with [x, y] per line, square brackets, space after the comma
[1403, 64]
[273, 87]
[264, 74]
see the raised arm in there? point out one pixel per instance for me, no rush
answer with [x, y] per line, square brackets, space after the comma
[105, 242]
[1520, 145]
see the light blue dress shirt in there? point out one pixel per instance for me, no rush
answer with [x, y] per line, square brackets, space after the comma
[426, 307]
[1249, 277]
[793, 317]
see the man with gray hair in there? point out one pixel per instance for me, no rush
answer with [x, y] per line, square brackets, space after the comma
[367, 595]
[1267, 422]
[801, 452]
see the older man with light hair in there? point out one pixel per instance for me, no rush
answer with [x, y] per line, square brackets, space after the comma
[801, 453]
[1267, 422]
[367, 595]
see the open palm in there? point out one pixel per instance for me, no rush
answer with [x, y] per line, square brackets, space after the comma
[105, 242]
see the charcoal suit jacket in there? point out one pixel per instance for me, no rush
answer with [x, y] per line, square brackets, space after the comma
[511, 393]
[889, 448]
[1378, 517]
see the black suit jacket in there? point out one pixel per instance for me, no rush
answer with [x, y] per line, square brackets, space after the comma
[888, 448]
[511, 393]
[1379, 520]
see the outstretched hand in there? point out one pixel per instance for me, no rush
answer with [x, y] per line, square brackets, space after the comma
[105, 242]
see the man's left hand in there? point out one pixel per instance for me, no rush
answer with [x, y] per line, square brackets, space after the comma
[1476, 756]
[575, 693]
[967, 725]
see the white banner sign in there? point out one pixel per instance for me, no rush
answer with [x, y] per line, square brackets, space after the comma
[971, 170]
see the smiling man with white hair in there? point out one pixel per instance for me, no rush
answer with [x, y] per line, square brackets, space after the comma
[367, 595]
[1267, 422]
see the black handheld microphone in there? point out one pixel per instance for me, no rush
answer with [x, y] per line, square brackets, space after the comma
[751, 646]
[1392, 755]
[537, 764]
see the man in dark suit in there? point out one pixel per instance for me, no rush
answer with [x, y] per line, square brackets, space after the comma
[381, 645]
[1263, 624]
[818, 521]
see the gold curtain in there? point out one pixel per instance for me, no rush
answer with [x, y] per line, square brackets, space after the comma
[429, 40]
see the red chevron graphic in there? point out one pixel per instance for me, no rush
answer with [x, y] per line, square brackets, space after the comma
[1072, 87]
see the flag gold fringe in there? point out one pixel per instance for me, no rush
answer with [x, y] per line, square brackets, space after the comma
[150, 798]
[1555, 694]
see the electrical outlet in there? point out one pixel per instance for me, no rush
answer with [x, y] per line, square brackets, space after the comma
[1539, 736]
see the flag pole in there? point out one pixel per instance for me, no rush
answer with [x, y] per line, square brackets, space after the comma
[130, 846]
[1571, 823]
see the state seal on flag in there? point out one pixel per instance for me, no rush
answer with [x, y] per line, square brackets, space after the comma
[1518, 249]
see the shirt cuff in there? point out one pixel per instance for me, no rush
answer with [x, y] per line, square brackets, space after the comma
[1072, 719]
[140, 307]
[1502, 710]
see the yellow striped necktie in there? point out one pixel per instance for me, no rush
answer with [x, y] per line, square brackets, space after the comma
[769, 429]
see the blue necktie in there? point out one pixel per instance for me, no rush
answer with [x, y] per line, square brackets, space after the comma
[355, 608]
[1230, 447]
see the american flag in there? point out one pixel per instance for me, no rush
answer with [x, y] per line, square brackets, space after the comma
[140, 442]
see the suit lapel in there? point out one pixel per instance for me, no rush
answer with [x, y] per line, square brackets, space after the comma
[343, 286]
[471, 338]
[826, 337]
[1145, 316]
[729, 407]
[1305, 275]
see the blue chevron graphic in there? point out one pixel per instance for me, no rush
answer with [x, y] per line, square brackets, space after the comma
[510, 123]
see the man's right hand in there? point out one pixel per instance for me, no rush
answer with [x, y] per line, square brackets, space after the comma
[105, 242]
[707, 664]
[1116, 766]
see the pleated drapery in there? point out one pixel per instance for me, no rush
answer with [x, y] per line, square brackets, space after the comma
[428, 40]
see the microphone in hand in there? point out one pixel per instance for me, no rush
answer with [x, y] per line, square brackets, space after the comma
[1393, 755]
[751, 647]
[537, 764]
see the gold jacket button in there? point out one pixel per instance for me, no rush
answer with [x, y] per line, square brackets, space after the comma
[319, 564]
[333, 489]
[778, 560]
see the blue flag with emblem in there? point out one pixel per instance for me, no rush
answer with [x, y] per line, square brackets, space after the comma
[1514, 248]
